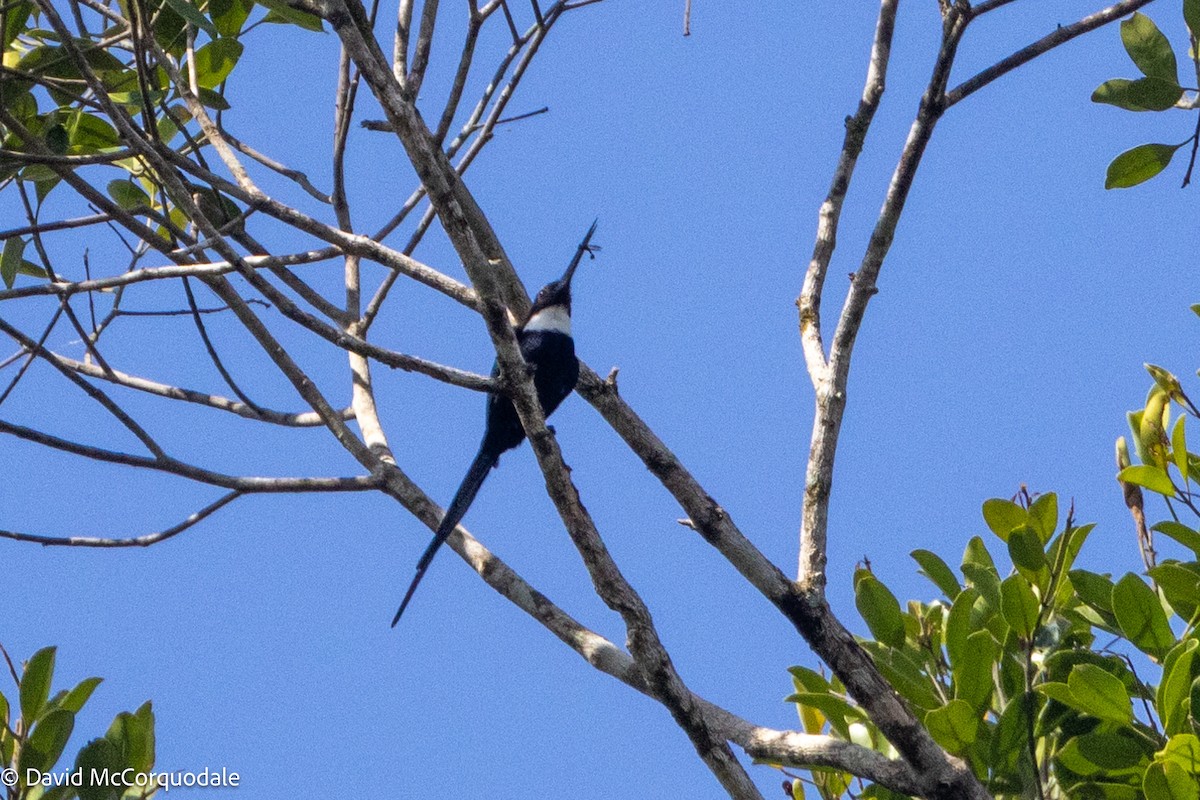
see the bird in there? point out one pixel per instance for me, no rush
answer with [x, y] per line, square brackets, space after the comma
[549, 349]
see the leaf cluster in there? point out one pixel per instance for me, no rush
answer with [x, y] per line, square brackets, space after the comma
[34, 733]
[54, 118]
[1029, 674]
[1159, 89]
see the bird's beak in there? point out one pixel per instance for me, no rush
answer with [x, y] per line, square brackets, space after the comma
[583, 248]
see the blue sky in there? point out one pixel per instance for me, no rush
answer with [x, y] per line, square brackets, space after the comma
[1015, 311]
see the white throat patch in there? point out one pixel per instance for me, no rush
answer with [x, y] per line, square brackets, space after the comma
[554, 318]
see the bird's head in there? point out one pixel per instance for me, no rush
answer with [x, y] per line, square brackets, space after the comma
[551, 308]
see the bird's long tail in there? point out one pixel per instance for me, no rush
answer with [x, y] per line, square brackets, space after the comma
[480, 467]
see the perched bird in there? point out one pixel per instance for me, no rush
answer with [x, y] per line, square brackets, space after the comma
[547, 347]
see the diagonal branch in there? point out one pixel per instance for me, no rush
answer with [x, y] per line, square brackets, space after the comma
[830, 214]
[1060, 35]
[173, 466]
[137, 541]
[67, 288]
[106, 402]
[304, 419]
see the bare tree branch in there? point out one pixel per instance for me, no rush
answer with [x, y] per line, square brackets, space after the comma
[174, 271]
[1060, 35]
[174, 466]
[305, 419]
[59, 225]
[831, 210]
[137, 541]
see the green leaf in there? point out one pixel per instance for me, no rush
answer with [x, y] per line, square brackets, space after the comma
[1094, 590]
[1179, 585]
[1097, 753]
[934, 568]
[35, 683]
[807, 680]
[282, 13]
[1143, 94]
[47, 740]
[1072, 539]
[1169, 781]
[1179, 447]
[977, 553]
[1173, 697]
[906, 675]
[1166, 381]
[89, 133]
[128, 195]
[76, 698]
[1194, 704]
[99, 756]
[57, 141]
[1043, 515]
[986, 581]
[59, 793]
[141, 739]
[879, 609]
[1104, 790]
[1010, 737]
[15, 22]
[1100, 694]
[955, 726]
[192, 14]
[1058, 691]
[133, 99]
[958, 624]
[10, 259]
[133, 734]
[1184, 750]
[1191, 15]
[1135, 166]
[1181, 533]
[839, 712]
[1025, 549]
[1149, 48]
[216, 60]
[1019, 606]
[1148, 477]
[1002, 516]
[211, 99]
[230, 15]
[169, 28]
[43, 188]
[973, 674]
[1141, 616]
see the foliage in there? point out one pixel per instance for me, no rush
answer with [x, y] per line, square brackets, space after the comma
[50, 106]
[32, 743]
[1049, 676]
[1159, 89]
[1003, 671]
[1031, 675]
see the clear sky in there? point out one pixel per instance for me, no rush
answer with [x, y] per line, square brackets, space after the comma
[1004, 348]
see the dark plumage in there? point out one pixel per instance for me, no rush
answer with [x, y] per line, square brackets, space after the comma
[547, 346]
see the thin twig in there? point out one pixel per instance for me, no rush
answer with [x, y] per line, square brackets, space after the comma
[136, 541]
[60, 225]
[1062, 34]
[306, 419]
[295, 175]
[31, 355]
